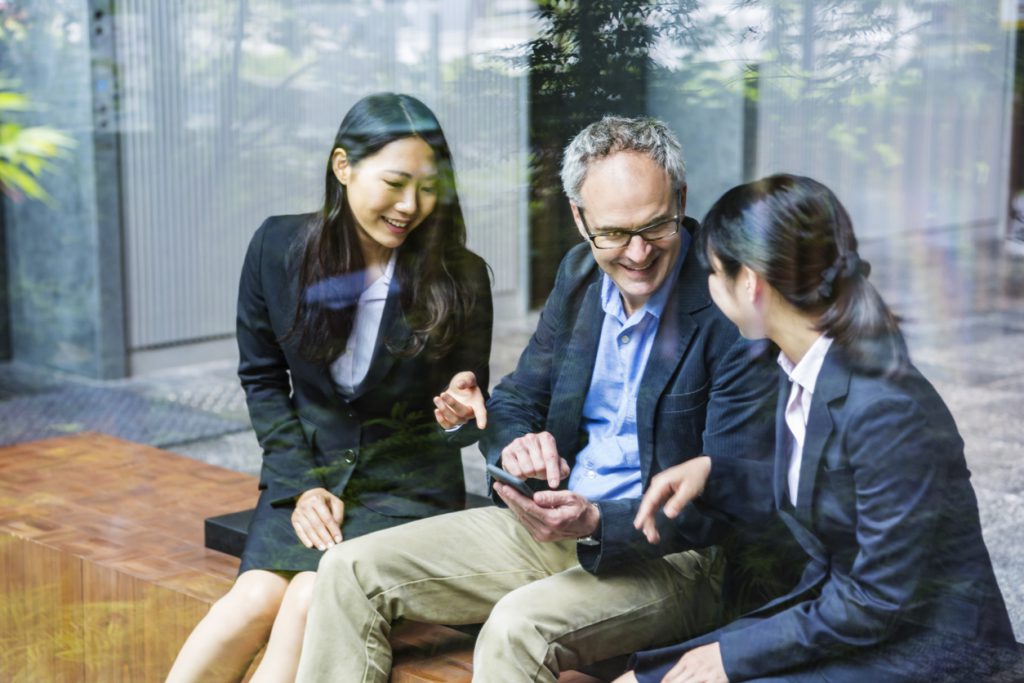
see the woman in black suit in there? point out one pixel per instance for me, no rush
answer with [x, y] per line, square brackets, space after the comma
[350, 322]
[869, 475]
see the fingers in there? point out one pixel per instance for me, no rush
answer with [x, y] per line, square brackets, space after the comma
[519, 505]
[479, 406]
[552, 515]
[657, 493]
[552, 463]
[679, 673]
[535, 456]
[449, 412]
[522, 458]
[465, 383]
[301, 532]
[650, 531]
[316, 518]
[463, 380]
[461, 402]
[682, 496]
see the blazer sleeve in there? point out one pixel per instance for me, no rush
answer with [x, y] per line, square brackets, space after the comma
[896, 460]
[288, 464]
[520, 402]
[473, 352]
[739, 428]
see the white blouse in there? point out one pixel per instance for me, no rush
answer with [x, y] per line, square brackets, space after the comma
[350, 368]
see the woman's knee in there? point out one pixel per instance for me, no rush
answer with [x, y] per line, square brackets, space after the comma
[255, 597]
[299, 596]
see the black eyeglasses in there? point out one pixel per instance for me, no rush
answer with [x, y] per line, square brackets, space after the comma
[616, 238]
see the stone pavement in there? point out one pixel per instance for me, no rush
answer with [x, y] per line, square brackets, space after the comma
[962, 299]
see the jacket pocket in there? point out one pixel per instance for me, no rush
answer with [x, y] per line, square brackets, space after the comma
[686, 402]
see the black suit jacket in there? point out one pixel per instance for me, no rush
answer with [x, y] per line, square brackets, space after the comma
[704, 390]
[889, 522]
[381, 447]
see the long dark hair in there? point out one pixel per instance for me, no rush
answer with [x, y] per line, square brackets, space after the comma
[430, 266]
[794, 232]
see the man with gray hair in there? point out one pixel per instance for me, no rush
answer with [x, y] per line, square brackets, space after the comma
[631, 370]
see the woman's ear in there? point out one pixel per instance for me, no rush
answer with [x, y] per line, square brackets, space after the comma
[339, 164]
[753, 285]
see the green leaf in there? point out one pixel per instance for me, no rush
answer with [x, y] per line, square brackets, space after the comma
[14, 101]
[13, 177]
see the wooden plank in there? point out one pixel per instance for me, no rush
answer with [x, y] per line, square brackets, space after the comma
[104, 569]
[41, 622]
[103, 572]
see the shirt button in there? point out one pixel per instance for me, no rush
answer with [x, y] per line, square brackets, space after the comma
[350, 456]
[625, 339]
[591, 474]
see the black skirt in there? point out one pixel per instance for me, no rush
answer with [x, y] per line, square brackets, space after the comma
[271, 542]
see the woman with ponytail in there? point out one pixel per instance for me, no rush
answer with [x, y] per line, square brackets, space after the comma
[351, 321]
[869, 473]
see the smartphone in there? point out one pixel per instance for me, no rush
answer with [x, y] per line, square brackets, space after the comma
[506, 478]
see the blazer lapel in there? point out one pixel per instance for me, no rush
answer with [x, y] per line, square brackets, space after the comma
[783, 443]
[832, 383]
[675, 331]
[317, 373]
[394, 331]
[570, 389]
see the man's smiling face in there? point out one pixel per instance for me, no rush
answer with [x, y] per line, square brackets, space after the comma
[629, 190]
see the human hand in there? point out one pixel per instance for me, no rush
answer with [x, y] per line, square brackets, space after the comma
[535, 456]
[552, 515]
[317, 518]
[460, 402]
[673, 489]
[700, 665]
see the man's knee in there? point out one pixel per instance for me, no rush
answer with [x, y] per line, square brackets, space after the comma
[358, 563]
[511, 624]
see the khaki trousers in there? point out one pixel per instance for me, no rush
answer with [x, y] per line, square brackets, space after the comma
[542, 612]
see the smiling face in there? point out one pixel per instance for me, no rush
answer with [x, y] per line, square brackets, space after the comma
[629, 190]
[390, 193]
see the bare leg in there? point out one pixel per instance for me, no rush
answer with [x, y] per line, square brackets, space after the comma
[223, 644]
[281, 659]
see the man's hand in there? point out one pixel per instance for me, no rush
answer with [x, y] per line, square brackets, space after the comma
[700, 665]
[535, 456]
[552, 515]
[673, 488]
[461, 402]
[317, 518]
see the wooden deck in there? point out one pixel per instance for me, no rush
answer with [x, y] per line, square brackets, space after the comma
[103, 572]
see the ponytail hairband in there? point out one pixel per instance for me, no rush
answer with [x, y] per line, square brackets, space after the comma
[845, 267]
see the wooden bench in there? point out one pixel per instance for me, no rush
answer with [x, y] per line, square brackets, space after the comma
[103, 572]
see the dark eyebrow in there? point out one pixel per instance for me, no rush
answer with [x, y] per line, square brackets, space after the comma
[409, 175]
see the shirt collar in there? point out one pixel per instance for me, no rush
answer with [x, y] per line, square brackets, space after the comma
[611, 301]
[805, 373]
[378, 289]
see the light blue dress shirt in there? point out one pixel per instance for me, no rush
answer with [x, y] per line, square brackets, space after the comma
[608, 467]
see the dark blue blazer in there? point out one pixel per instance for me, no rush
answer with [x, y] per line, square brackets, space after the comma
[889, 522]
[703, 391]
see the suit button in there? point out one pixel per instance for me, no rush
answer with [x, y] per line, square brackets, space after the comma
[350, 456]
[350, 414]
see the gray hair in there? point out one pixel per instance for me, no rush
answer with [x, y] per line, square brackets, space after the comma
[616, 134]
